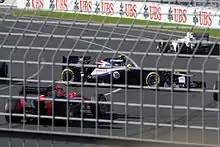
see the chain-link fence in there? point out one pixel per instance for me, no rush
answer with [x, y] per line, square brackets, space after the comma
[65, 76]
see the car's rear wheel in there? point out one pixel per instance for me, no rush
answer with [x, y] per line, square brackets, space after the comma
[15, 108]
[67, 76]
[159, 47]
[171, 50]
[153, 79]
[74, 111]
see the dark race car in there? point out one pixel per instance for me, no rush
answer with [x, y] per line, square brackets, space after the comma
[192, 43]
[116, 71]
[45, 104]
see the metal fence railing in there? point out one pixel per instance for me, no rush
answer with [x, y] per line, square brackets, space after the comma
[76, 81]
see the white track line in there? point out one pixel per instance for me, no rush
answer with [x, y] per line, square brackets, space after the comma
[114, 91]
[98, 38]
[88, 29]
[84, 23]
[76, 37]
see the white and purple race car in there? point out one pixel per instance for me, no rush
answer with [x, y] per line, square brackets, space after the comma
[116, 71]
[192, 43]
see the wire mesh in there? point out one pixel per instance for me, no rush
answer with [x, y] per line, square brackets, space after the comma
[142, 96]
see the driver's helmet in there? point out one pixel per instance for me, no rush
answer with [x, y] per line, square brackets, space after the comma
[122, 57]
[129, 65]
[42, 98]
[189, 35]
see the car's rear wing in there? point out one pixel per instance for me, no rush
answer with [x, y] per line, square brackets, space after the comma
[33, 90]
[202, 36]
[76, 59]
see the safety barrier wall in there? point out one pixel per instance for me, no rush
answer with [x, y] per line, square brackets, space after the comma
[198, 16]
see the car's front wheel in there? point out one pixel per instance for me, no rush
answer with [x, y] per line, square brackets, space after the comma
[102, 109]
[74, 111]
[171, 50]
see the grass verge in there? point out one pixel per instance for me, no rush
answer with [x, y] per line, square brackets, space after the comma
[82, 17]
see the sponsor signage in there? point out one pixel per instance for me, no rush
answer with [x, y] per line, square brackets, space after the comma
[199, 16]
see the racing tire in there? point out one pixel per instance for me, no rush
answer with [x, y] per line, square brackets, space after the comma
[40, 106]
[153, 79]
[102, 108]
[75, 110]
[67, 76]
[15, 108]
[159, 47]
[171, 50]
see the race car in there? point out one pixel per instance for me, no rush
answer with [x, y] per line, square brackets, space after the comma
[116, 71]
[45, 104]
[192, 43]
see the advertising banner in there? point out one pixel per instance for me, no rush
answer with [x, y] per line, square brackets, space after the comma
[199, 16]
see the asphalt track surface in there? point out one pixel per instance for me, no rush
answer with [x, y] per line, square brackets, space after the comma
[150, 114]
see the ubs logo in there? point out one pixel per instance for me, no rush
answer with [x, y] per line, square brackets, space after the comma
[37, 4]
